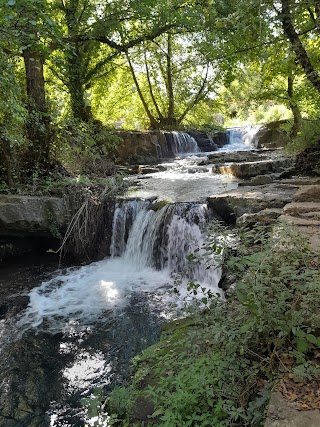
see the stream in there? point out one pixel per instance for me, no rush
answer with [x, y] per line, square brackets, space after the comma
[75, 330]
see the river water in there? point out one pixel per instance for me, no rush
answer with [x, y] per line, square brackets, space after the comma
[82, 325]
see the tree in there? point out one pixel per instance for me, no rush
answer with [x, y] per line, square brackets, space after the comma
[26, 31]
[12, 118]
[94, 35]
[292, 32]
[174, 80]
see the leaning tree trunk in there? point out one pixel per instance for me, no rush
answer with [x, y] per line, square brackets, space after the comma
[38, 123]
[297, 46]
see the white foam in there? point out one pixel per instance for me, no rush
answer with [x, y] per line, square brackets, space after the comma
[85, 295]
[150, 255]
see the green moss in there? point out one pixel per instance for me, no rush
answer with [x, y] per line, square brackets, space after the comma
[156, 206]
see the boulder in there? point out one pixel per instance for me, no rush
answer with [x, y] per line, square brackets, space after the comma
[31, 215]
[250, 169]
[246, 200]
[271, 136]
[261, 180]
[308, 193]
[144, 170]
[281, 414]
[264, 217]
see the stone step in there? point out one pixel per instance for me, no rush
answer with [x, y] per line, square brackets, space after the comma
[301, 208]
[306, 222]
[307, 193]
[250, 169]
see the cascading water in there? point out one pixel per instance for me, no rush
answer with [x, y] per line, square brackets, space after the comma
[241, 138]
[183, 143]
[148, 248]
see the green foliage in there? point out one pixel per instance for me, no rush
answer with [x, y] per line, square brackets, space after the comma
[85, 148]
[308, 136]
[218, 368]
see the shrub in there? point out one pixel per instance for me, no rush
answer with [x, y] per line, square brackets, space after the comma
[218, 368]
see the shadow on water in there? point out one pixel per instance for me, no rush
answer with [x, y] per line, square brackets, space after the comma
[44, 376]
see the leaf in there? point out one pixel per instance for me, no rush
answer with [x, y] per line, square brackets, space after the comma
[313, 340]
[11, 2]
[156, 413]
[302, 344]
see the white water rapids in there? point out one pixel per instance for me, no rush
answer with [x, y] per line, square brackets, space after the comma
[149, 249]
[83, 325]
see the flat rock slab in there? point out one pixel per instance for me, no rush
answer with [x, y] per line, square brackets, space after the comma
[301, 208]
[306, 222]
[248, 200]
[264, 217]
[250, 169]
[27, 215]
[300, 180]
[237, 157]
[308, 193]
[280, 414]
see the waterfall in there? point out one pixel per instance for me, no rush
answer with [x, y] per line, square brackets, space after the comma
[149, 248]
[241, 138]
[159, 239]
[184, 143]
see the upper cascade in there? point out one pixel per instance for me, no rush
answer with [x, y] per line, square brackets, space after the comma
[178, 143]
[240, 138]
[183, 143]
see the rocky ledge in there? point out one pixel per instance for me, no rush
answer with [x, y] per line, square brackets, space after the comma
[30, 215]
[30, 224]
[293, 201]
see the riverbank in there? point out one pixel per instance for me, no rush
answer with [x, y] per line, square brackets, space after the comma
[89, 321]
[219, 367]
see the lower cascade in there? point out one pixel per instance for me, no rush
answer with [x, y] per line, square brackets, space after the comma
[150, 249]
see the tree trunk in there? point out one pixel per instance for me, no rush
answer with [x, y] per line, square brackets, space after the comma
[297, 118]
[6, 158]
[38, 123]
[154, 124]
[169, 81]
[297, 46]
[80, 108]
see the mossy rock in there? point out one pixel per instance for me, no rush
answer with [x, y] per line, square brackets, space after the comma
[156, 206]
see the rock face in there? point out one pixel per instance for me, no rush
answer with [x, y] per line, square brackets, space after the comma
[251, 169]
[149, 147]
[280, 414]
[205, 141]
[142, 147]
[29, 215]
[249, 200]
[270, 136]
[220, 139]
